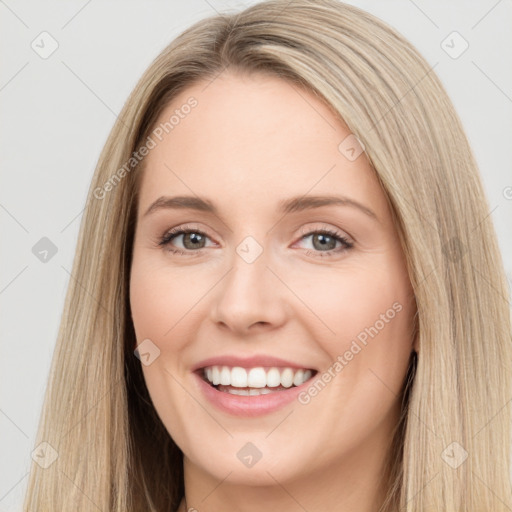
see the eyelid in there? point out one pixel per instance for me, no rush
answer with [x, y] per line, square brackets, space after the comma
[346, 240]
[180, 230]
[323, 226]
[338, 235]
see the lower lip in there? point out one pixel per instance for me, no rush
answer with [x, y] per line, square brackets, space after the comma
[251, 405]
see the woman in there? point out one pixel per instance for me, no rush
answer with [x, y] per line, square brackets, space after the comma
[289, 293]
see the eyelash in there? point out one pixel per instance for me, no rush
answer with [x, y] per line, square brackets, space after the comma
[173, 233]
[346, 245]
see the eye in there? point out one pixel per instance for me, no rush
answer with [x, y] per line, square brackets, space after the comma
[324, 242]
[193, 240]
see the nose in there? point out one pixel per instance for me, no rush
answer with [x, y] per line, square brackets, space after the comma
[250, 298]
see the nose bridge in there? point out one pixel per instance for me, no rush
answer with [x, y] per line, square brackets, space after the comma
[250, 293]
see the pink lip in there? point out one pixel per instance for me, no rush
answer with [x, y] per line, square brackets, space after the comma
[248, 406]
[247, 362]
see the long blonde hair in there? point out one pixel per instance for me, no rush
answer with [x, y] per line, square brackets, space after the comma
[451, 451]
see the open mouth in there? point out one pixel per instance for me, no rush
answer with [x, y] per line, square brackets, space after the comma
[254, 381]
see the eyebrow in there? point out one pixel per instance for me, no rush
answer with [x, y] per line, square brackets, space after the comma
[294, 204]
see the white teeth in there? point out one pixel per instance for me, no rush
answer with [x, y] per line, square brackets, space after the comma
[273, 378]
[238, 377]
[298, 378]
[257, 378]
[248, 392]
[225, 376]
[287, 378]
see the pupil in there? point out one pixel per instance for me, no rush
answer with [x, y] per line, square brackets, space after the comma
[194, 238]
[323, 241]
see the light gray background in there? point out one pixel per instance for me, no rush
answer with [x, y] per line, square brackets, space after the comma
[57, 112]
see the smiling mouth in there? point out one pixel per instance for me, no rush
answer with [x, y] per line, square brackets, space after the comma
[254, 381]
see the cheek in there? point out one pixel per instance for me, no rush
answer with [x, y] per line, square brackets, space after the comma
[160, 297]
[147, 299]
[349, 301]
[161, 303]
[369, 312]
[368, 359]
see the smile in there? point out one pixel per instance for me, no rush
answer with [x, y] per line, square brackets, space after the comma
[252, 385]
[255, 381]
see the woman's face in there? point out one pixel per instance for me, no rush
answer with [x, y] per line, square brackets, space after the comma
[290, 269]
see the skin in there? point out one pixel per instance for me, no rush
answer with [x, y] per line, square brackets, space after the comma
[251, 142]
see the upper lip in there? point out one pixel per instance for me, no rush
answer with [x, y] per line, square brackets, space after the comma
[248, 362]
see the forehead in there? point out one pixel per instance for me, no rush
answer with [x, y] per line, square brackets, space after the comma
[252, 139]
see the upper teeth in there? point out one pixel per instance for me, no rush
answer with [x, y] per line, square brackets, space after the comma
[258, 377]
